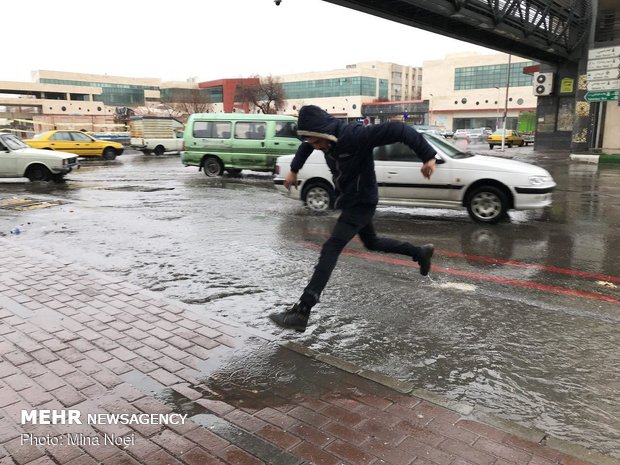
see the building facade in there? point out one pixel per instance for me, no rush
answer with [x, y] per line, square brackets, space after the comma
[471, 90]
[342, 92]
[34, 107]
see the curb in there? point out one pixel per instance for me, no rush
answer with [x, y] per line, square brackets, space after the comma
[584, 158]
[462, 408]
[611, 158]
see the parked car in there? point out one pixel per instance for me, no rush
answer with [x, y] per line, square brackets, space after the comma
[476, 135]
[447, 133]
[18, 160]
[434, 132]
[77, 142]
[528, 138]
[512, 138]
[486, 186]
[460, 134]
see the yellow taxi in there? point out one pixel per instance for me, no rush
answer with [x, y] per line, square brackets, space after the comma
[78, 142]
[512, 138]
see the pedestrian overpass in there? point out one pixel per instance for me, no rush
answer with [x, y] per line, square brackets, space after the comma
[555, 33]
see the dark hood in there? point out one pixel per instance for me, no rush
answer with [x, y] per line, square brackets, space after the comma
[315, 122]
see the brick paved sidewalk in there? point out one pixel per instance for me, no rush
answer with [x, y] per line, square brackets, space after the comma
[73, 339]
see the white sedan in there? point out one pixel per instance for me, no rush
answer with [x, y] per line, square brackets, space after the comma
[19, 160]
[487, 186]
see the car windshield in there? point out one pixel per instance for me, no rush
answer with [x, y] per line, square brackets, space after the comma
[500, 132]
[12, 142]
[442, 145]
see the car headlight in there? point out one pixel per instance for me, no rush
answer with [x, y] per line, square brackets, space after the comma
[65, 161]
[538, 180]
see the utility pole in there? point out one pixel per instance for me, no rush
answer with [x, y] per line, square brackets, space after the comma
[430, 111]
[506, 104]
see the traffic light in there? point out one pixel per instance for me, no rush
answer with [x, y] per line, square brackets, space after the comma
[543, 83]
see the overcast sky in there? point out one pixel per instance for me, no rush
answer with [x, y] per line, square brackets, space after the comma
[206, 39]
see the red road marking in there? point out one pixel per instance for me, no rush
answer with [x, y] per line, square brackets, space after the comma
[480, 276]
[552, 269]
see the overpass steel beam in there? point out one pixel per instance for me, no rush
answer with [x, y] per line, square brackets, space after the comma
[551, 31]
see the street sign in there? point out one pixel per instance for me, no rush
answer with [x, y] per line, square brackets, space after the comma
[612, 84]
[601, 96]
[603, 63]
[603, 74]
[606, 52]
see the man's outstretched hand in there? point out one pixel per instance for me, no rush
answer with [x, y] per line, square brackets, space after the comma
[428, 168]
[291, 180]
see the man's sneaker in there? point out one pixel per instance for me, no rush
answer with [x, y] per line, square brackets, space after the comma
[424, 258]
[295, 317]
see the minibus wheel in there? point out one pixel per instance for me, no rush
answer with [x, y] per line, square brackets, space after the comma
[212, 167]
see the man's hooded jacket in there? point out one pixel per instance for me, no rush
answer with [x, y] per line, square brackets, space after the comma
[350, 158]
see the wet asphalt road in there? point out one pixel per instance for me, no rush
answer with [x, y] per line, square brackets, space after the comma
[520, 318]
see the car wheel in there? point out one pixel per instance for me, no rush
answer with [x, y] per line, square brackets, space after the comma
[38, 173]
[109, 153]
[212, 167]
[490, 146]
[318, 197]
[159, 150]
[487, 204]
[510, 145]
[522, 144]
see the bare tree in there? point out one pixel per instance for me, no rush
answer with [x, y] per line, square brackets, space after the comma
[182, 103]
[267, 94]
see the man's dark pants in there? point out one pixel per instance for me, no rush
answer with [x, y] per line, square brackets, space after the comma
[352, 221]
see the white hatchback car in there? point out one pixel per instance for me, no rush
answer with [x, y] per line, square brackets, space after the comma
[487, 186]
[19, 160]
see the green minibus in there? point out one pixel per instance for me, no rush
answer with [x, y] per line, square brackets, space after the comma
[218, 142]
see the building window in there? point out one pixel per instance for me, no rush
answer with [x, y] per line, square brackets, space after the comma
[490, 76]
[337, 87]
[111, 94]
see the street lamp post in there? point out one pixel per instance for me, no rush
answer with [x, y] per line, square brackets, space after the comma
[497, 110]
[506, 104]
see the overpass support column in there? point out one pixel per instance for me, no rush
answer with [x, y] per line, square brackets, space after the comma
[583, 132]
[565, 121]
[556, 115]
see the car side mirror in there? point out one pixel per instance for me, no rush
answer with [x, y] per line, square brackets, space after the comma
[439, 160]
